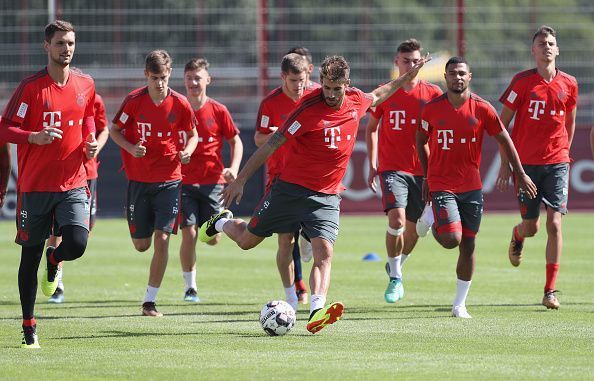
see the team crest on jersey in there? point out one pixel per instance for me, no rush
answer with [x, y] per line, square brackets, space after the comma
[294, 127]
[22, 110]
[80, 99]
[354, 114]
[325, 123]
[441, 122]
[472, 121]
[171, 118]
[209, 123]
[562, 95]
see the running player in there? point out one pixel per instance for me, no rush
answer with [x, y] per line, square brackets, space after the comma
[451, 129]
[399, 170]
[321, 134]
[148, 127]
[50, 118]
[543, 101]
[205, 174]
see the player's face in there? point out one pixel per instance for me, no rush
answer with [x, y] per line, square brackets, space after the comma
[293, 83]
[544, 48]
[196, 82]
[333, 91]
[158, 82]
[60, 49]
[406, 60]
[457, 77]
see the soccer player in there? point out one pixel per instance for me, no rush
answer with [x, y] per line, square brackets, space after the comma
[305, 53]
[91, 165]
[274, 110]
[401, 175]
[451, 130]
[543, 101]
[50, 118]
[205, 174]
[148, 127]
[321, 134]
[4, 170]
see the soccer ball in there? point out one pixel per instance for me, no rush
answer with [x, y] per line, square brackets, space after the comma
[277, 318]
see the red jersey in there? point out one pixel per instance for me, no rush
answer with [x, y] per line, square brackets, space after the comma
[455, 142]
[274, 110]
[399, 116]
[322, 140]
[539, 131]
[91, 165]
[160, 127]
[214, 125]
[39, 102]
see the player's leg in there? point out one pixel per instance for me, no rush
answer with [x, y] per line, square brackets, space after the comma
[140, 215]
[555, 190]
[447, 228]
[58, 296]
[394, 245]
[284, 263]
[470, 206]
[414, 209]
[27, 279]
[300, 286]
[190, 212]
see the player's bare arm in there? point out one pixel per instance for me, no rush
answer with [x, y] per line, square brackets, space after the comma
[505, 171]
[371, 135]
[525, 184]
[230, 173]
[234, 191]
[385, 91]
[4, 171]
[102, 139]
[261, 138]
[136, 150]
[570, 125]
[186, 153]
[91, 146]
[423, 152]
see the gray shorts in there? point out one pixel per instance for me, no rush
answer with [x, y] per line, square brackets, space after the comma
[92, 184]
[402, 190]
[552, 184]
[199, 203]
[286, 207]
[458, 212]
[152, 206]
[41, 213]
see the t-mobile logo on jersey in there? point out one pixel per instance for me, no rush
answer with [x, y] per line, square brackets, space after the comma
[332, 136]
[397, 118]
[144, 130]
[445, 137]
[536, 108]
[52, 119]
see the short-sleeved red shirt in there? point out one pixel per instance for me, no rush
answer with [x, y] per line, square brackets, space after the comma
[39, 102]
[539, 131]
[161, 128]
[322, 140]
[455, 142]
[214, 126]
[92, 165]
[399, 116]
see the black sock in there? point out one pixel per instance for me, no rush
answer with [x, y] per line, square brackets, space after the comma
[30, 258]
[74, 243]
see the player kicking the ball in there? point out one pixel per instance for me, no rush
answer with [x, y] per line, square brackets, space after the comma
[147, 128]
[321, 133]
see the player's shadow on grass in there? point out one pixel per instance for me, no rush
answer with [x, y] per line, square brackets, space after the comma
[127, 334]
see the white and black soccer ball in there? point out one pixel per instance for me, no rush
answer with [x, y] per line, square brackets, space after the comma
[277, 318]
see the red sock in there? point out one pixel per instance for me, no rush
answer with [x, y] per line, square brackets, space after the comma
[29, 322]
[552, 270]
[300, 285]
[517, 235]
[51, 258]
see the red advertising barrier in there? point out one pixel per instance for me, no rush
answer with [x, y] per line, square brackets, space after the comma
[358, 198]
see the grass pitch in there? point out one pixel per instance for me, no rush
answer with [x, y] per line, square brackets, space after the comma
[98, 332]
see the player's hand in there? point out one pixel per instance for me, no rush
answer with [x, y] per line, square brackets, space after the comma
[91, 146]
[526, 185]
[229, 175]
[138, 149]
[45, 136]
[412, 73]
[272, 129]
[233, 192]
[425, 191]
[371, 179]
[184, 157]
[505, 174]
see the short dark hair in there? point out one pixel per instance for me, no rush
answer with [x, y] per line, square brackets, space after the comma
[57, 26]
[196, 64]
[302, 51]
[157, 60]
[544, 30]
[294, 63]
[408, 46]
[334, 68]
[456, 60]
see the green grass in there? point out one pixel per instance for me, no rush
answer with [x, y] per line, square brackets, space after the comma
[98, 332]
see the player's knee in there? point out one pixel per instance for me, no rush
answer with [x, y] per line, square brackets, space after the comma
[530, 229]
[554, 227]
[142, 246]
[395, 231]
[449, 241]
[74, 240]
[215, 240]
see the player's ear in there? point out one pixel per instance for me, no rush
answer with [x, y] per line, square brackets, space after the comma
[46, 45]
